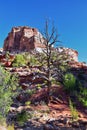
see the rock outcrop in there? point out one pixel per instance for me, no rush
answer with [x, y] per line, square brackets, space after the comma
[73, 54]
[23, 38]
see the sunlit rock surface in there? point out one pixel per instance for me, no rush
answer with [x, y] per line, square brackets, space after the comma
[23, 38]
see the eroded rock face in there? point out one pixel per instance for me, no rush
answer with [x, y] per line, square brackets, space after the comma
[73, 54]
[23, 38]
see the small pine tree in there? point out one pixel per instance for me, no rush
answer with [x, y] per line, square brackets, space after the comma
[8, 86]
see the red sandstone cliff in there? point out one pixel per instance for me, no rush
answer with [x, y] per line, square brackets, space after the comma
[23, 38]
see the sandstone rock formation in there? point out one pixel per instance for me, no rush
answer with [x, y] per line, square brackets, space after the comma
[23, 38]
[73, 54]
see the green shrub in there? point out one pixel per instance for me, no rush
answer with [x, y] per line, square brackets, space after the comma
[23, 117]
[33, 60]
[69, 82]
[8, 90]
[82, 96]
[19, 60]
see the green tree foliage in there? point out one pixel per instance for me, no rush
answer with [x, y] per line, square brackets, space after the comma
[82, 96]
[69, 82]
[23, 117]
[33, 60]
[19, 60]
[75, 88]
[8, 86]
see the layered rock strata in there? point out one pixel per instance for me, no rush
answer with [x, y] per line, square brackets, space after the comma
[23, 38]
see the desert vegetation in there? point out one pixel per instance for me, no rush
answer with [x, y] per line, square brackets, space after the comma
[36, 82]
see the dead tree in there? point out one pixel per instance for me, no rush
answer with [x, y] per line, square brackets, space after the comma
[51, 37]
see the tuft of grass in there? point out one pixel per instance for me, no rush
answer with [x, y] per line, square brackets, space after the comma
[74, 112]
[4, 125]
[10, 127]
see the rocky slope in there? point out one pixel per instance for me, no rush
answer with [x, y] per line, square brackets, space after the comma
[57, 114]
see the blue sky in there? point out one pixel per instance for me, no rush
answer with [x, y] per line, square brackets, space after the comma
[69, 16]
